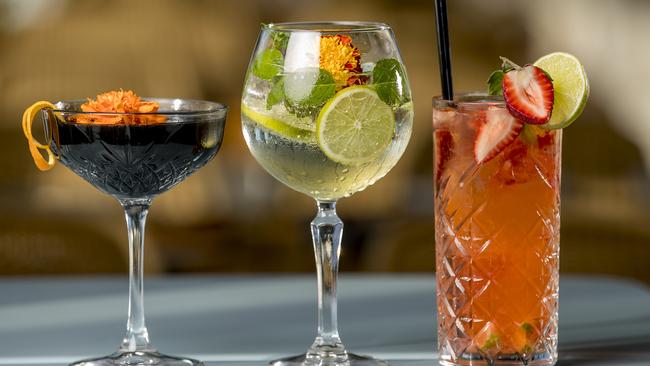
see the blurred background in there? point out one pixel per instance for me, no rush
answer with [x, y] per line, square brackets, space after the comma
[232, 216]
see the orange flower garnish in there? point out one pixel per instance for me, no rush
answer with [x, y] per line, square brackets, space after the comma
[341, 59]
[119, 101]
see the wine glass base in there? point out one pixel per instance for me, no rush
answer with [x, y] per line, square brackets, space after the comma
[149, 358]
[350, 360]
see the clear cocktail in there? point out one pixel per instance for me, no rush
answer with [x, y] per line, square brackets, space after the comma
[327, 110]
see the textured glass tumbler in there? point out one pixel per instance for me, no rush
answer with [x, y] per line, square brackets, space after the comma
[497, 240]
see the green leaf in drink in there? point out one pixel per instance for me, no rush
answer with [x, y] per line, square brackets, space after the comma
[528, 328]
[268, 64]
[280, 40]
[389, 81]
[276, 95]
[296, 84]
[491, 342]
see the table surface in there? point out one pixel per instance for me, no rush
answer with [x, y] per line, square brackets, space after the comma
[248, 320]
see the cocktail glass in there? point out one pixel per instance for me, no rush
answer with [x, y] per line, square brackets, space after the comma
[304, 80]
[135, 163]
[497, 240]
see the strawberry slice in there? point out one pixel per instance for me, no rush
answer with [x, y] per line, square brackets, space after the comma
[528, 93]
[444, 142]
[499, 130]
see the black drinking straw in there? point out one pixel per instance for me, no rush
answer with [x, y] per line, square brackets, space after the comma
[443, 49]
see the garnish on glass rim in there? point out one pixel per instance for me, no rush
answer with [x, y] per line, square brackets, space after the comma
[551, 97]
[118, 101]
[342, 59]
[556, 84]
[34, 145]
[527, 91]
[339, 68]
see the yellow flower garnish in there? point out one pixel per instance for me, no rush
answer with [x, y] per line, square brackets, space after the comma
[119, 101]
[341, 59]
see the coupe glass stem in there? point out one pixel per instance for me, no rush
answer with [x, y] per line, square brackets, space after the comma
[137, 337]
[326, 231]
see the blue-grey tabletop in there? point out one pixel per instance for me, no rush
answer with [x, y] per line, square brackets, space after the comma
[248, 320]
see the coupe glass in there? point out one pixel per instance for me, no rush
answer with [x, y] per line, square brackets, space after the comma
[326, 110]
[134, 163]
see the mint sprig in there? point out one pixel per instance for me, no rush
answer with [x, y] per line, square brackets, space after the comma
[268, 64]
[389, 81]
[495, 82]
[280, 40]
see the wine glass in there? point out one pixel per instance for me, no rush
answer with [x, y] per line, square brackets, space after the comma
[326, 110]
[134, 163]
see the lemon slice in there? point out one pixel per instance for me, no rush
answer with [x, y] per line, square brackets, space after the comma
[570, 86]
[34, 145]
[355, 126]
[281, 121]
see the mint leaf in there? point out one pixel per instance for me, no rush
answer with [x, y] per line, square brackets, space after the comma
[322, 89]
[495, 83]
[491, 342]
[280, 40]
[527, 327]
[268, 64]
[276, 95]
[389, 81]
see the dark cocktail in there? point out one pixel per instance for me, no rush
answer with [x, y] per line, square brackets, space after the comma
[132, 149]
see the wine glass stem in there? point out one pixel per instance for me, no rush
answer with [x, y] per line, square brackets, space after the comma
[137, 337]
[326, 231]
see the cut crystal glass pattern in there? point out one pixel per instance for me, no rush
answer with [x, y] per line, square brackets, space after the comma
[125, 161]
[497, 261]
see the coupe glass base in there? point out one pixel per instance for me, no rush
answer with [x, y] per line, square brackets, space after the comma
[350, 360]
[150, 358]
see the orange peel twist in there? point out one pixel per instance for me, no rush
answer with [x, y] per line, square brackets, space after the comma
[35, 147]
